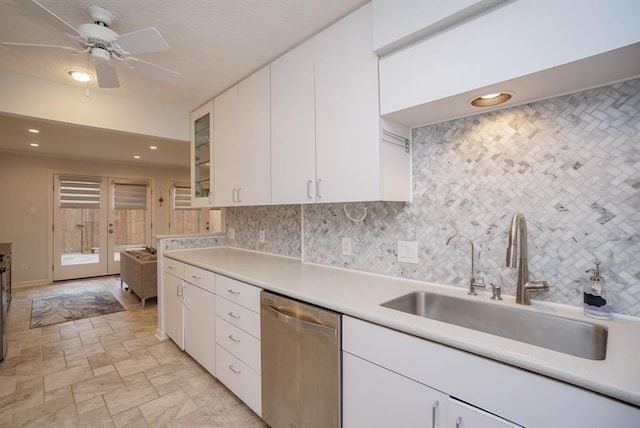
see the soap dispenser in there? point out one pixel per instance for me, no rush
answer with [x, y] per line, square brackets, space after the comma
[596, 301]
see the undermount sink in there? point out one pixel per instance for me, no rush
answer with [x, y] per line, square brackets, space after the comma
[574, 337]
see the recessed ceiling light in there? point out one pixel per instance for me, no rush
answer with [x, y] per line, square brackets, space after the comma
[34, 131]
[136, 156]
[79, 75]
[492, 99]
[153, 147]
[34, 144]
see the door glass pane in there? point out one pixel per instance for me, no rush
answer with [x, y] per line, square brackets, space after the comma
[130, 230]
[79, 205]
[129, 219]
[202, 158]
[80, 236]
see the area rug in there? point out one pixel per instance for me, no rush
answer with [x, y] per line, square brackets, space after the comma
[70, 307]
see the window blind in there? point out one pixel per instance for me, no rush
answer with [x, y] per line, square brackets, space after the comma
[79, 192]
[127, 196]
[181, 196]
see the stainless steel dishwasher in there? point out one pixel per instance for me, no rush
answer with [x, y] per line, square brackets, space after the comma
[301, 364]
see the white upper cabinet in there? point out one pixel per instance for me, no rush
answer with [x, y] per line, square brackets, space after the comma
[327, 140]
[201, 151]
[396, 26]
[347, 115]
[254, 139]
[242, 153]
[225, 108]
[293, 121]
[583, 44]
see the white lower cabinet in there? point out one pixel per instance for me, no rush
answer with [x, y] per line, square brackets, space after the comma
[199, 321]
[238, 353]
[173, 311]
[402, 376]
[373, 397]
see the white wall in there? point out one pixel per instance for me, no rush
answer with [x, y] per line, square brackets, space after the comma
[27, 192]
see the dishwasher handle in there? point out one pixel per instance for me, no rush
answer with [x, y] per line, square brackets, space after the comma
[288, 319]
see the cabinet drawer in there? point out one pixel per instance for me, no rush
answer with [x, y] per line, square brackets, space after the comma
[239, 292]
[174, 267]
[240, 343]
[202, 278]
[239, 378]
[239, 316]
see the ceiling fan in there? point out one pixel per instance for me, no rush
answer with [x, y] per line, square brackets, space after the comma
[103, 44]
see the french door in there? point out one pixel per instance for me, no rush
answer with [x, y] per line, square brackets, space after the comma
[95, 218]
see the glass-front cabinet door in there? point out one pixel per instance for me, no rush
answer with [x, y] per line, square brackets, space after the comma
[201, 155]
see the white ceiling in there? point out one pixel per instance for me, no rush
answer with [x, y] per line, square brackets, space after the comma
[213, 43]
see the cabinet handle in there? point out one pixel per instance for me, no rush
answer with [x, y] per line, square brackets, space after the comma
[178, 289]
[233, 338]
[234, 199]
[232, 315]
[319, 188]
[234, 370]
[433, 414]
[459, 422]
[239, 200]
[233, 291]
[309, 183]
[196, 277]
[171, 267]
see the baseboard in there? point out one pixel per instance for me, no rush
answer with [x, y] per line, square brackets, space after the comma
[161, 335]
[28, 284]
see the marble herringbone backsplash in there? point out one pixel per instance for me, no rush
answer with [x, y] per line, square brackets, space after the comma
[570, 164]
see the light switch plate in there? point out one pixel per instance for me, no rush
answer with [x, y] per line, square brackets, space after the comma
[408, 252]
[346, 246]
[232, 233]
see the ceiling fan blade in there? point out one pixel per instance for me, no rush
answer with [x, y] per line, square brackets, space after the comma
[107, 75]
[35, 8]
[146, 40]
[152, 70]
[28, 47]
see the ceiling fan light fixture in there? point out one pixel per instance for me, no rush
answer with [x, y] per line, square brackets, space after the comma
[34, 130]
[79, 75]
[34, 144]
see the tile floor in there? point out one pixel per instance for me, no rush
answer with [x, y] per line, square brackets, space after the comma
[106, 371]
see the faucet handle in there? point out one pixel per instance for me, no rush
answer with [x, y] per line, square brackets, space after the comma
[476, 283]
[495, 291]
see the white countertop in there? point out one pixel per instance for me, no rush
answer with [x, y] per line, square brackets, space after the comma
[360, 294]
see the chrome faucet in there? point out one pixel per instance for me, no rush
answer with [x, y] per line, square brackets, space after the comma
[472, 282]
[517, 257]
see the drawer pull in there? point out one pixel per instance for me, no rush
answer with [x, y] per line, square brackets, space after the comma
[233, 338]
[171, 267]
[234, 316]
[433, 414]
[196, 277]
[233, 369]
[232, 291]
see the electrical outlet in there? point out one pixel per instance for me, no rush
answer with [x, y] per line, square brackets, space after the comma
[262, 237]
[232, 233]
[346, 246]
[408, 252]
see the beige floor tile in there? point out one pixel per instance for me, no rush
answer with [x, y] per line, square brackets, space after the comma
[131, 418]
[167, 408]
[96, 418]
[47, 414]
[140, 360]
[62, 345]
[41, 368]
[6, 418]
[142, 343]
[23, 399]
[165, 352]
[91, 404]
[84, 351]
[14, 348]
[130, 396]
[8, 385]
[226, 411]
[103, 330]
[96, 386]
[165, 373]
[67, 377]
[57, 394]
[28, 383]
[108, 358]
